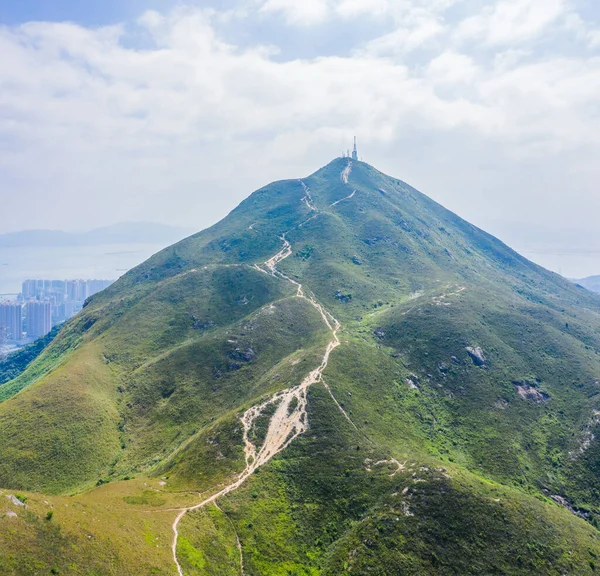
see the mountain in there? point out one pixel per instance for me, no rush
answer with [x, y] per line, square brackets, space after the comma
[591, 283]
[340, 377]
[122, 233]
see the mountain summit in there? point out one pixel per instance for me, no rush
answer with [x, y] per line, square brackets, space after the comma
[340, 377]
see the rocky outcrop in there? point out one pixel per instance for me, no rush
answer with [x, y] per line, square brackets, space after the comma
[477, 356]
[565, 503]
[379, 333]
[239, 357]
[198, 324]
[529, 391]
[344, 298]
[413, 382]
[15, 500]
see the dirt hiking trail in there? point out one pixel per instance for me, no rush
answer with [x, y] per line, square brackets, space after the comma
[290, 419]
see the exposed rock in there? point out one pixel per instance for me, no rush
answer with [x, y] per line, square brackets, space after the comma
[588, 432]
[477, 356]
[246, 355]
[15, 500]
[379, 333]
[444, 368]
[356, 260]
[345, 298]
[528, 391]
[202, 324]
[455, 360]
[501, 404]
[413, 382]
[10, 514]
[239, 357]
[374, 240]
[563, 502]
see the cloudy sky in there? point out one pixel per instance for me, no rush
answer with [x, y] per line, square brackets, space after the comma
[120, 110]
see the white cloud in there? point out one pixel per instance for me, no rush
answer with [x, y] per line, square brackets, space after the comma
[509, 21]
[452, 68]
[299, 12]
[411, 35]
[354, 8]
[583, 30]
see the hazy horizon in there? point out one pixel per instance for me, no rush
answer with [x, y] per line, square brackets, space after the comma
[566, 254]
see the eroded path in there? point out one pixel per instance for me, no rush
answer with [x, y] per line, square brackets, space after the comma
[290, 419]
[346, 172]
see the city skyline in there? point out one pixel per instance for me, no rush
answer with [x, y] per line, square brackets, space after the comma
[43, 304]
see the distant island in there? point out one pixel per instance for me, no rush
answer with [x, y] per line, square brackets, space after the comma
[121, 233]
[591, 283]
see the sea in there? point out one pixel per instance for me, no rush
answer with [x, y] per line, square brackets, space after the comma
[107, 262]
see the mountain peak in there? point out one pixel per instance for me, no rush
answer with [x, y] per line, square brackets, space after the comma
[392, 371]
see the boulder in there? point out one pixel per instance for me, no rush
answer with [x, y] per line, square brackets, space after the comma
[477, 356]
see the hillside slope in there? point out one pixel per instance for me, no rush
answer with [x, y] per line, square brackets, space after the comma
[340, 377]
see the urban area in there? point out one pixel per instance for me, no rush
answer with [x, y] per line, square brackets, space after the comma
[41, 305]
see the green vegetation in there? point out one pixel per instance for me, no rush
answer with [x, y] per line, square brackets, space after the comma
[468, 376]
[210, 544]
[325, 507]
[17, 362]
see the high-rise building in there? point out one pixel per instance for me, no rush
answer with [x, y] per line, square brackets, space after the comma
[29, 289]
[11, 320]
[77, 290]
[39, 318]
[83, 291]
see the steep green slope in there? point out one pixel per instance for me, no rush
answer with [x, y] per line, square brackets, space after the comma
[334, 504]
[451, 431]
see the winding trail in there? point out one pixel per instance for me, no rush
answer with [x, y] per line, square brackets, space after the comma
[344, 413]
[346, 172]
[237, 540]
[342, 199]
[290, 419]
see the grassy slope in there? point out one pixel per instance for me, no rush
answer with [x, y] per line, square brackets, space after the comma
[324, 507]
[150, 379]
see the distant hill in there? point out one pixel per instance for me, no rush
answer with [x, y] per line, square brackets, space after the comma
[591, 283]
[122, 233]
[339, 378]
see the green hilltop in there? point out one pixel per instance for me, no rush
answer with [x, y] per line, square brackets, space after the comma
[449, 429]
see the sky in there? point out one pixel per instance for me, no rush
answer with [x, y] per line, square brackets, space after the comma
[150, 110]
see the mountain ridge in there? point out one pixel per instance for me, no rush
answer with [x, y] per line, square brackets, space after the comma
[449, 427]
[591, 283]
